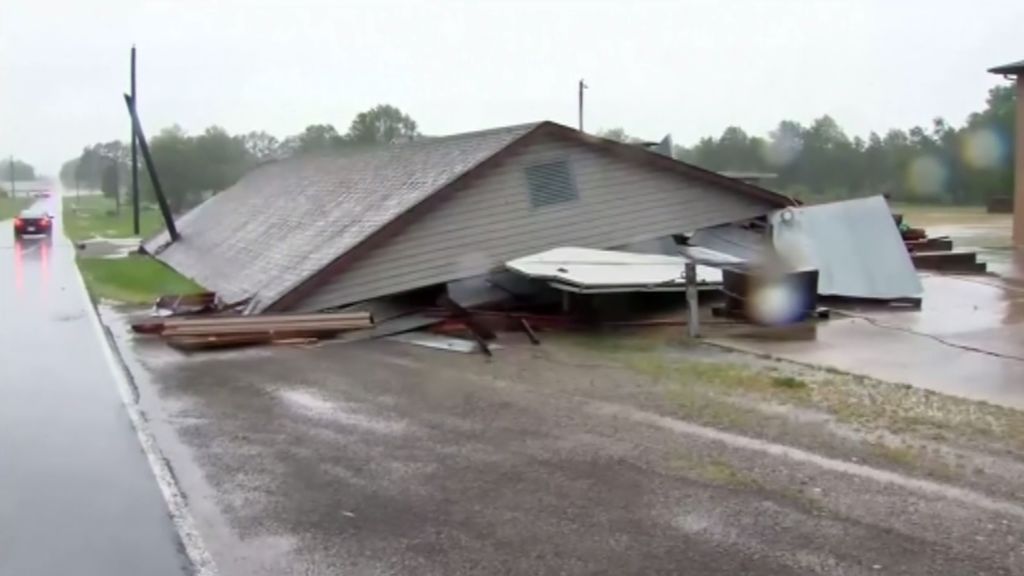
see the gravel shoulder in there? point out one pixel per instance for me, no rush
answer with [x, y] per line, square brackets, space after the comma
[595, 454]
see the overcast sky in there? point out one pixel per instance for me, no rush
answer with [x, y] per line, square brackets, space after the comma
[686, 67]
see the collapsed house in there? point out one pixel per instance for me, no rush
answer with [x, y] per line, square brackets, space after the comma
[320, 232]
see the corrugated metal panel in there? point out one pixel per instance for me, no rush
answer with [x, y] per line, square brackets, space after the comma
[288, 219]
[734, 240]
[492, 221]
[855, 246]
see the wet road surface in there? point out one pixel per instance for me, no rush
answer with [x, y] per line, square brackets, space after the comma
[77, 495]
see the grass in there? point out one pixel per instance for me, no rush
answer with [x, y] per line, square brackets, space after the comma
[10, 207]
[135, 279]
[718, 377]
[94, 216]
[714, 471]
[714, 392]
[788, 382]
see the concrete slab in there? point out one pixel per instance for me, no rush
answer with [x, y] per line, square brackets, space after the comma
[967, 339]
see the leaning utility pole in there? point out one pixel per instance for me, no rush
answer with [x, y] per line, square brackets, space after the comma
[135, 158]
[582, 88]
[154, 178]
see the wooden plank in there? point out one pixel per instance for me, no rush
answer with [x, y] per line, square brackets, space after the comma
[283, 328]
[192, 343]
[942, 244]
[268, 319]
[529, 331]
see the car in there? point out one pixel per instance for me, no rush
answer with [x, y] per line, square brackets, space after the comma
[32, 222]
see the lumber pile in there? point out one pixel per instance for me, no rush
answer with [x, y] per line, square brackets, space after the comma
[209, 332]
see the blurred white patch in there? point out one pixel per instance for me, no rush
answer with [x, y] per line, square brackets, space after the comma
[926, 176]
[983, 148]
[791, 249]
[775, 303]
[782, 150]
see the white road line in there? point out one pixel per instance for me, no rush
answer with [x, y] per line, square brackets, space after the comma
[202, 562]
[950, 492]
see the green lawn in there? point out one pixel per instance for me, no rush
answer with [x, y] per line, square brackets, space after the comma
[94, 216]
[135, 279]
[10, 207]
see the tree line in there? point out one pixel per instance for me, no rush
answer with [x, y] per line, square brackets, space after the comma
[22, 170]
[939, 163]
[191, 167]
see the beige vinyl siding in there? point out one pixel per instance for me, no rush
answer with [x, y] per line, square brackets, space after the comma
[491, 221]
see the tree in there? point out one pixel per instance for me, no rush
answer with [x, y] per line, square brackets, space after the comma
[176, 168]
[616, 134]
[317, 137]
[382, 124]
[261, 146]
[111, 185]
[22, 170]
[219, 159]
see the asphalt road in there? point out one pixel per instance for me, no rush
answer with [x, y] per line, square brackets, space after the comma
[77, 495]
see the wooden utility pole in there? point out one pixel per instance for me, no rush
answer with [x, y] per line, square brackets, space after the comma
[135, 157]
[583, 87]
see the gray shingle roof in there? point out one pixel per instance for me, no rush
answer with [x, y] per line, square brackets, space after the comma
[286, 220]
[1012, 68]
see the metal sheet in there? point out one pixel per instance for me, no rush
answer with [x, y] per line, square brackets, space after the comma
[732, 240]
[596, 269]
[854, 244]
[664, 245]
[491, 288]
[439, 342]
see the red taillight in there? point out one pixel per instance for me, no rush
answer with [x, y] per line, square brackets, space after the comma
[45, 222]
[17, 222]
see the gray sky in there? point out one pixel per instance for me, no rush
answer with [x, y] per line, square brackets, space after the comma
[686, 67]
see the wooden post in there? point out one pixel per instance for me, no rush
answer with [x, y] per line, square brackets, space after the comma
[1018, 170]
[693, 311]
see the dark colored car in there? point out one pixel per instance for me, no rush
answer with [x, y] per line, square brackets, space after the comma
[31, 223]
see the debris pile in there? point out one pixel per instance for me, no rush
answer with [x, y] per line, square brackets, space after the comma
[770, 270]
[936, 253]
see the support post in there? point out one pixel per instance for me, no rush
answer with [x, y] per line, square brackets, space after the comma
[692, 309]
[1018, 168]
[135, 157]
[165, 209]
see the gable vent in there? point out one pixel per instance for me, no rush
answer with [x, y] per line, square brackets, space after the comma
[550, 183]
